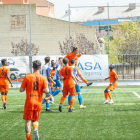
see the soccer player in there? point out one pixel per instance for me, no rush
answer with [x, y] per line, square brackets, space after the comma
[75, 55]
[66, 74]
[52, 73]
[4, 81]
[34, 84]
[56, 78]
[113, 84]
[45, 71]
[78, 89]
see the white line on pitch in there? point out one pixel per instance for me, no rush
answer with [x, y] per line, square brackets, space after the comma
[136, 94]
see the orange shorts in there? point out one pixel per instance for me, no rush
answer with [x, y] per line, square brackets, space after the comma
[4, 88]
[66, 90]
[31, 115]
[112, 88]
[51, 84]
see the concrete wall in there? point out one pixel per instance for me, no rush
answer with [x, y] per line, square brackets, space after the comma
[46, 32]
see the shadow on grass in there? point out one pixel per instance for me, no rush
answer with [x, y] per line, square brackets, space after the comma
[15, 111]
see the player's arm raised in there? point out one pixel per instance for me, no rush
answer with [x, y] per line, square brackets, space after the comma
[8, 77]
[55, 62]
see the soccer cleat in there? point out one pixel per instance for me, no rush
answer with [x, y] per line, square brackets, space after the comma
[71, 110]
[111, 102]
[60, 108]
[81, 86]
[69, 107]
[36, 135]
[88, 84]
[48, 110]
[4, 105]
[81, 106]
[106, 102]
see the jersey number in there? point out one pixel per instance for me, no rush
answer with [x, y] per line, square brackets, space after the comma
[2, 73]
[66, 72]
[36, 85]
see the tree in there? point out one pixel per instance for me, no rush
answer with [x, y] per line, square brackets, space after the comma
[23, 49]
[79, 40]
[126, 41]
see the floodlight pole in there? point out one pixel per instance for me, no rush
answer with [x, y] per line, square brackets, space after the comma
[69, 28]
[30, 40]
[108, 34]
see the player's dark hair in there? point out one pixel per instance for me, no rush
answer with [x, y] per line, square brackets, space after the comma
[3, 61]
[52, 63]
[65, 61]
[72, 61]
[75, 48]
[47, 59]
[36, 65]
[60, 58]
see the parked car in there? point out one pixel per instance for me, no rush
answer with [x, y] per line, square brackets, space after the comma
[15, 73]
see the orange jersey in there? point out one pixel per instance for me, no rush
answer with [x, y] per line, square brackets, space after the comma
[52, 73]
[73, 56]
[66, 73]
[3, 75]
[113, 76]
[34, 84]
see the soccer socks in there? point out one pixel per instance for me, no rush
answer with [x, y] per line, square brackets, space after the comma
[80, 99]
[85, 81]
[106, 96]
[3, 98]
[28, 136]
[47, 105]
[56, 92]
[71, 103]
[62, 100]
[35, 126]
[69, 99]
[110, 96]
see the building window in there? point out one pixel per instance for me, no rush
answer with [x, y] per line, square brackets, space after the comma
[18, 22]
[25, 1]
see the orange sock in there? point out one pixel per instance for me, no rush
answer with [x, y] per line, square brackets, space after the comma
[28, 136]
[35, 126]
[110, 96]
[62, 100]
[3, 98]
[71, 103]
[85, 81]
[6, 98]
[106, 96]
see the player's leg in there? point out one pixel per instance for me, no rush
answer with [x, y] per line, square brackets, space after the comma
[2, 90]
[65, 93]
[47, 98]
[36, 115]
[6, 91]
[112, 88]
[84, 80]
[80, 99]
[72, 94]
[106, 95]
[28, 129]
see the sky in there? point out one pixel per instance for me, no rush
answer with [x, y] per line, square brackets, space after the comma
[62, 5]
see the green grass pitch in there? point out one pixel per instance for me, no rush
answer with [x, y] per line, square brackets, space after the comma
[120, 121]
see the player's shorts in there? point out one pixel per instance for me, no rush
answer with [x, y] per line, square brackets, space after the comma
[58, 83]
[4, 88]
[51, 84]
[66, 90]
[31, 115]
[78, 89]
[112, 88]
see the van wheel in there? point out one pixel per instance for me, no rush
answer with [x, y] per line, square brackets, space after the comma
[12, 76]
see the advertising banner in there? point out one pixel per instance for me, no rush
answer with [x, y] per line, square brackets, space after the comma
[92, 67]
